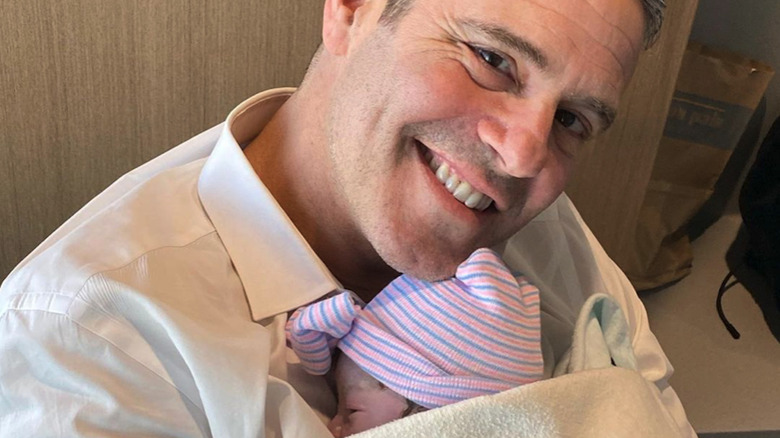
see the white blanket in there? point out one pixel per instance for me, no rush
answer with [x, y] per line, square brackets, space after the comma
[589, 397]
[602, 403]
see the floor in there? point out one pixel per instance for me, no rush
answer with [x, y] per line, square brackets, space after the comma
[730, 388]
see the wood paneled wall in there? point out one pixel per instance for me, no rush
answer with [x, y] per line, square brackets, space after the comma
[92, 88]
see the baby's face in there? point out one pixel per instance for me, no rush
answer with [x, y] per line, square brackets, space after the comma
[364, 402]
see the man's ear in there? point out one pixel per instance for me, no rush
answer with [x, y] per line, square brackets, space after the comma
[337, 21]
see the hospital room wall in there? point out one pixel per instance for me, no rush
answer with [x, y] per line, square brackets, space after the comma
[92, 88]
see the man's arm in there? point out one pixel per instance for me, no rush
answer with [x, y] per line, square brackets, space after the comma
[58, 378]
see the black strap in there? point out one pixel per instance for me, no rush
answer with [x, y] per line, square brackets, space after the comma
[723, 288]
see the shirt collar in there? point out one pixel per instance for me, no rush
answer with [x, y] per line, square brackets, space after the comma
[277, 267]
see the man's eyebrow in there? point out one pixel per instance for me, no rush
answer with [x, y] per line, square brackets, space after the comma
[603, 110]
[509, 39]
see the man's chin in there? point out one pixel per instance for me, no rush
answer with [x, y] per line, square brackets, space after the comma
[432, 275]
[428, 265]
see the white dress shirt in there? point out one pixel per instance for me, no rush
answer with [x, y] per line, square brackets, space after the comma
[159, 308]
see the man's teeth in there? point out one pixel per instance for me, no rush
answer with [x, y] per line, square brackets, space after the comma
[461, 190]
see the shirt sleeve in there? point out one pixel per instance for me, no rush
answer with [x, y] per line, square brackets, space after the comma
[59, 379]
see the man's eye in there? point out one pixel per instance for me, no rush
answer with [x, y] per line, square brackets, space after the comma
[494, 60]
[571, 121]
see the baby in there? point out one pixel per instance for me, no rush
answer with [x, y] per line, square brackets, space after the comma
[420, 345]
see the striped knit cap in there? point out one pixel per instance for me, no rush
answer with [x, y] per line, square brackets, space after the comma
[435, 343]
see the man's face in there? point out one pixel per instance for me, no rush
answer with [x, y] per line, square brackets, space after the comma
[497, 94]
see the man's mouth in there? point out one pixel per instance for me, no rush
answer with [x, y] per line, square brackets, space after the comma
[459, 188]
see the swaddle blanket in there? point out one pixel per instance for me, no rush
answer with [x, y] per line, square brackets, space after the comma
[588, 397]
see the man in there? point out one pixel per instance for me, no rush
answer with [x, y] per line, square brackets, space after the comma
[159, 309]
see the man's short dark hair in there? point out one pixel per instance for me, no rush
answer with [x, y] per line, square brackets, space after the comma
[653, 11]
[394, 9]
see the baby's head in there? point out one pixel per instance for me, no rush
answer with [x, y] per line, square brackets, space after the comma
[419, 345]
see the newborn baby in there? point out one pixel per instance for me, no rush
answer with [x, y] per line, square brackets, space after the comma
[420, 345]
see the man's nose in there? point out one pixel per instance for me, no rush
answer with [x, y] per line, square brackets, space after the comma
[519, 133]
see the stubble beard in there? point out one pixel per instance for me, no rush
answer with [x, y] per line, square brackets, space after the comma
[406, 240]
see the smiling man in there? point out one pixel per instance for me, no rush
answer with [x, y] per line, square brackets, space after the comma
[423, 130]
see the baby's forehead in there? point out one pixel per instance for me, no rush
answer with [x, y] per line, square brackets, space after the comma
[350, 377]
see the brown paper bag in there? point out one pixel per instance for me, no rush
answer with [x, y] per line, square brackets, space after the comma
[715, 95]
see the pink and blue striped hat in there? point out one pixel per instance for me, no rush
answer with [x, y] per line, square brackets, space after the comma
[435, 343]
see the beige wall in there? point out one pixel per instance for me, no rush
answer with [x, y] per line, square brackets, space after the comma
[92, 88]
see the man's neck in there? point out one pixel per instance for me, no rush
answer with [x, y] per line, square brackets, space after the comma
[291, 157]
